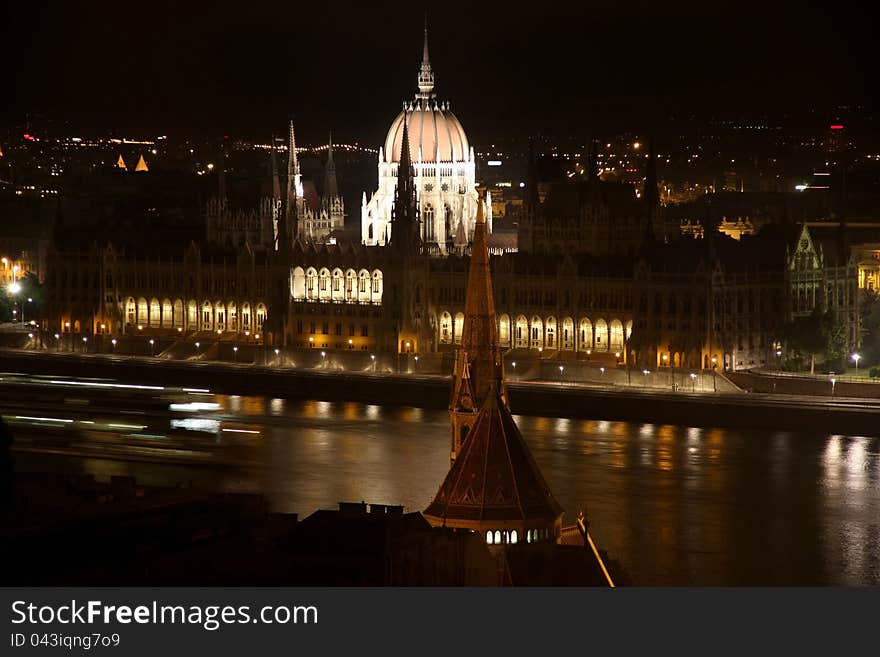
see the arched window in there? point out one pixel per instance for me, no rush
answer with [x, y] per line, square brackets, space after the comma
[376, 294]
[550, 333]
[428, 219]
[178, 313]
[568, 334]
[504, 330]
[363, 286]
[601, 335]
[350, 285]
[445, 328]
[324, 284]
[154, 312]
[338, 282]
[521, 337]
[311, 284]
[537, 334]
[513, 536]
[489, 537]
[497, 536]
[298, 284]
[459, 327]
[166, 313]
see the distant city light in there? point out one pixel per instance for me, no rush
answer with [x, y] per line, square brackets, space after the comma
[494, 163]
[837, 126]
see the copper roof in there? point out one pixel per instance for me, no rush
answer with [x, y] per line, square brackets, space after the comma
[495, 478]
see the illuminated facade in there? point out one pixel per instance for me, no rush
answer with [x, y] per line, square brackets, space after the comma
[444, 168]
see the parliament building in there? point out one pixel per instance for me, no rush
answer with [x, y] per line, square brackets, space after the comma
[596, 276]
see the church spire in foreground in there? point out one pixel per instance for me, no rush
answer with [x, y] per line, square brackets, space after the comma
[494, 485]
[479, 370]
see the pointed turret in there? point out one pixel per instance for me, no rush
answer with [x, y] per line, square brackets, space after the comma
[478, 364]
[291, 218]
[404, 213]
[276, 179]
[141, 165]
[331, 188]
[120, 163]
[426, 74]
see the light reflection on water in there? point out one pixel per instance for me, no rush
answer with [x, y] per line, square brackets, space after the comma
[675, 505]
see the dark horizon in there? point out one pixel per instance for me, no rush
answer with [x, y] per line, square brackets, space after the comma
[228, 69]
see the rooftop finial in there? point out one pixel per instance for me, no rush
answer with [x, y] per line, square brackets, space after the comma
[426, 75]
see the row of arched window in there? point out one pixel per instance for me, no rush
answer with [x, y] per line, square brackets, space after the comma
[336, 286]
[548, 333]
[209, 316]
[504, 537]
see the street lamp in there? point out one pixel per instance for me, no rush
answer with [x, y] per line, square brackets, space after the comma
[350, 343]
[693, 382]
[85, 343]
[113, 342]
[617, 356]
[561, 370]
[666, 359]
[311, 341]
[833, 381]
[373, 358]
[198, 344]
[857, 358]
[235, 353]
[646, 373]
[323, 359]
[152, 342]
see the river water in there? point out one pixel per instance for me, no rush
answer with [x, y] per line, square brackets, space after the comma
[675, 505]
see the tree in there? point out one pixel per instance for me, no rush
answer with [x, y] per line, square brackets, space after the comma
[807, 335]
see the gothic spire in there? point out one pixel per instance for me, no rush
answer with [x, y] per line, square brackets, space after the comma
[426, 74]
[479, 371]
[276, 183]
[404, 213]
[293, 183]
[331, 188]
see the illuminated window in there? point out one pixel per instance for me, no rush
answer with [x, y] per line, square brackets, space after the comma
[513, 536]
[489, 537]
[497, 536]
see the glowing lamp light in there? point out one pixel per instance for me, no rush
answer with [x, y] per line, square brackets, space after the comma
[800, 188]
[14, 288]
[277, 351]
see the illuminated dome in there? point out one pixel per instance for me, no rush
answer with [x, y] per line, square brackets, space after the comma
[434, 131]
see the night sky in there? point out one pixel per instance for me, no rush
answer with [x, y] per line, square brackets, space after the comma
[507, 68]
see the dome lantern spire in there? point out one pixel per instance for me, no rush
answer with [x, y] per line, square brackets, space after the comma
[426, 74]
